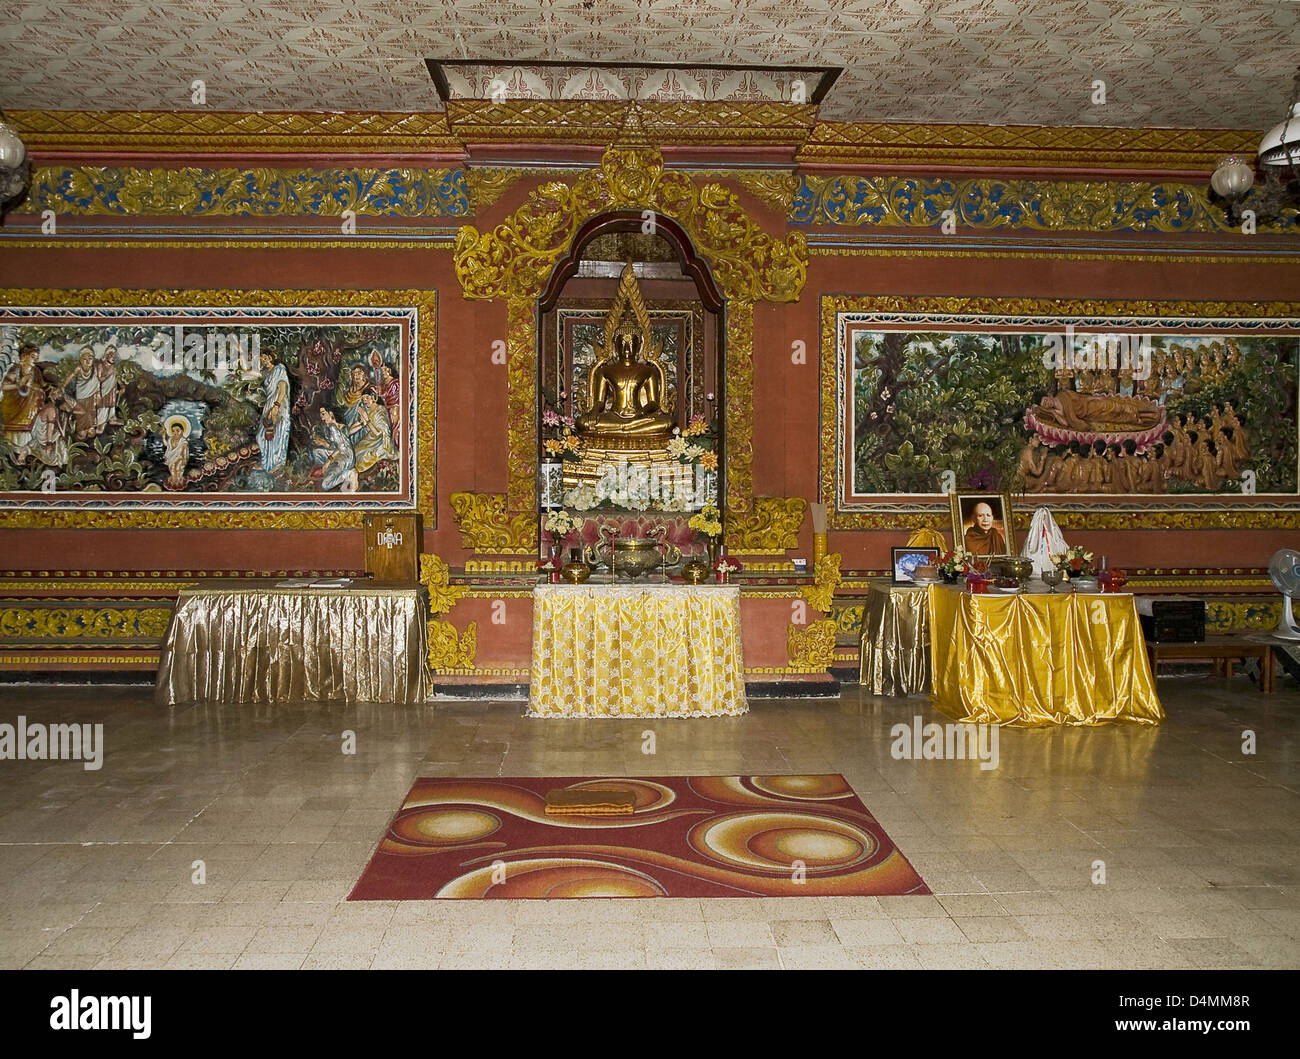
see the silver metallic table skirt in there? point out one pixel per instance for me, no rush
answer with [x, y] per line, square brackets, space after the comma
[896, 640]
[276, 645]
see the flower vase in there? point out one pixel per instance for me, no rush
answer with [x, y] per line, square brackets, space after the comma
[713, 544]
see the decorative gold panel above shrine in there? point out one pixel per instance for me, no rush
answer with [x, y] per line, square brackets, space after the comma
[516, 259]
[762, 123]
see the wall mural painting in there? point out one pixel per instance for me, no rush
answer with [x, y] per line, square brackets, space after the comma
[176, 408]
[1135, 408]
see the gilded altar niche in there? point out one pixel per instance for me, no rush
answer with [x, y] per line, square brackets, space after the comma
[628, 394]
[520, 259]
[623, 380]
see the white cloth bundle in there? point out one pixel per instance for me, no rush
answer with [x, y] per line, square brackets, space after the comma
[1043, 541]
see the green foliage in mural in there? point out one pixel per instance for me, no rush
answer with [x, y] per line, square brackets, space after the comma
[927, 403]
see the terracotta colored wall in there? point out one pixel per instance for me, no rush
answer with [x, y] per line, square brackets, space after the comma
[471, 399]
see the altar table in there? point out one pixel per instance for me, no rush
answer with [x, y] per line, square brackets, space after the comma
[1040, 659]
[636, 650]
[895, 640]
[236, 643]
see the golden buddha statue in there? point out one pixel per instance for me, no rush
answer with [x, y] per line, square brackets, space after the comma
[625, 394]
[628, 413]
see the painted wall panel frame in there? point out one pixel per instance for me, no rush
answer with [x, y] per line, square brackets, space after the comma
[845, 316]
[383, 457]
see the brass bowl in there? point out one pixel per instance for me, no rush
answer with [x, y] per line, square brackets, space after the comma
[695, 572]
[575, 572]
[633, 557]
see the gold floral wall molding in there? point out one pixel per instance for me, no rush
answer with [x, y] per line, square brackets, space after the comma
[770, 528]
[448, 648]
[487, 527]
[990, 203]
[129, 191]
[515, 259]
[774, 188]
[812, 648]
[37, 622]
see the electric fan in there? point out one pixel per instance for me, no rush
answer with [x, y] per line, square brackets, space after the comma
[1284, 569]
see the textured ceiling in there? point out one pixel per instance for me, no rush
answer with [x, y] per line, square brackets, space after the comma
[1227, 63]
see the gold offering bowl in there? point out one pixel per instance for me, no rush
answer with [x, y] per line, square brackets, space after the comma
[632, 557]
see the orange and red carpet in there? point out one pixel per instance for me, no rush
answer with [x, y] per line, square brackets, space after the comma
[690, 836]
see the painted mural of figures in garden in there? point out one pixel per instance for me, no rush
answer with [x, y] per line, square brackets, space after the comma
[1080, 413]
[149, 408]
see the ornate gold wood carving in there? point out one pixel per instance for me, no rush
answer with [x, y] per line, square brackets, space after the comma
[774, 188]
[769, 529]
[84, 623]
[811, 649]
[488, 183]
[515, 259]
[759, 123]
[486, 527]
[987, 203]
[897, 143]
[426, 366]
[826, 579]
[448, 648]
[129, 191]
[190, 132]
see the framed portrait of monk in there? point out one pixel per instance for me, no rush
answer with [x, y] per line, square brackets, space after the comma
[981, 523]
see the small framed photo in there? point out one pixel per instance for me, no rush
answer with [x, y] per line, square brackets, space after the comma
[905, 560]
[981, 523]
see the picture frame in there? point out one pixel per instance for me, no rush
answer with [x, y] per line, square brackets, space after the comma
[997, 537]
[903, 561]
[551, 486]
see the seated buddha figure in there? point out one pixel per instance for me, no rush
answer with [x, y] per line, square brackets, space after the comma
[625, 396]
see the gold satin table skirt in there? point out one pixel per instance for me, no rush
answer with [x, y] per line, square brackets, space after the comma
[624, 650]
[1031, 660]
[279, 645]
[895, 639]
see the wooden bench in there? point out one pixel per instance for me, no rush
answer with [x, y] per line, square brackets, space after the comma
[1222, 651]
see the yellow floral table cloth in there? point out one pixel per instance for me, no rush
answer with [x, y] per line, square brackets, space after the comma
[240, 644]
[895, 639]
[628, 650]
[1031, 660]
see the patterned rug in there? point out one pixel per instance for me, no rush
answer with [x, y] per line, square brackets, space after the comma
[690, 836]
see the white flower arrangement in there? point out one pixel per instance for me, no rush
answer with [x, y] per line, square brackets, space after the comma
[561, 523]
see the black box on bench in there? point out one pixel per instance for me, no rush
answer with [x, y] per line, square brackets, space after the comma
[1172, 619]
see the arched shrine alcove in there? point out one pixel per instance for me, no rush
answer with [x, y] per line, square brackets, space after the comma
[631, 337]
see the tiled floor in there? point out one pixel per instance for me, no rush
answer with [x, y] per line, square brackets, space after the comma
[1196, 841]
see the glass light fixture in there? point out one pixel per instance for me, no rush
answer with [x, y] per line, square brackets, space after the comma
[15, 169]
[1281, 144]
[12, 149]
[1232, 177]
